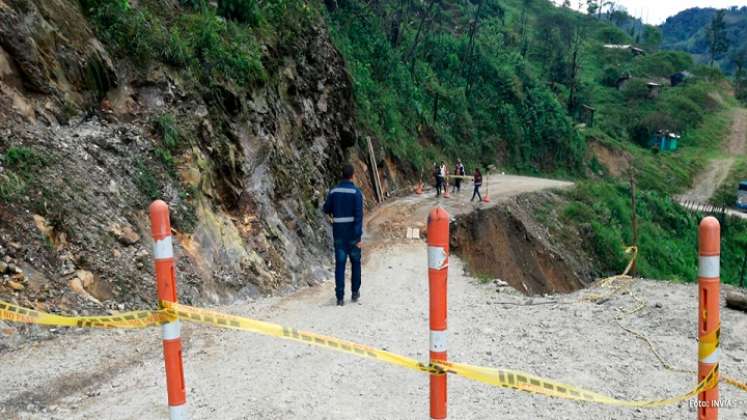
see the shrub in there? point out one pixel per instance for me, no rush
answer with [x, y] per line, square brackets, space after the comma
[635, 90]
[610, 76]
[244, 11]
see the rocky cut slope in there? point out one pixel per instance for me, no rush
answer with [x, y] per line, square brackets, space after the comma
[89, 136]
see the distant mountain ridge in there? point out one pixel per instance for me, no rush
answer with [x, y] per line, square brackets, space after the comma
[686, 31]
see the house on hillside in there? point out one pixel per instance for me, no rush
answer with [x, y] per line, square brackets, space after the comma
[664, 141]
[654, 89]
[587, 115]
[633, 49]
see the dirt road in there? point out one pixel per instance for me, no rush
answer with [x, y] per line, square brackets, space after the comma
[233, 375]
[708, 182]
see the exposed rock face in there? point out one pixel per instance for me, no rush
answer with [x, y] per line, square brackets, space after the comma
[245, 192]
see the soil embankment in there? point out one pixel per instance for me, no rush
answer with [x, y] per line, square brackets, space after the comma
[499, 244]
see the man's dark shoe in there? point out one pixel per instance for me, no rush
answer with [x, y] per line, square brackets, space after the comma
[340, 302]
[356, 296]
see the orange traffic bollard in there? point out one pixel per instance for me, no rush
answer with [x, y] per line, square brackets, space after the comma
[709, 317]
[438, 269]
[163, 252]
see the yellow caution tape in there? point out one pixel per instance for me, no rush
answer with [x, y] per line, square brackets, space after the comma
[709, 343]
[136, 319]
[734, 382]
[503, 378]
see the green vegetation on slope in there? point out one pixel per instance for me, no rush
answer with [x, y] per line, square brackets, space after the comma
[667, 233]
[688, 31]
[507, 82]
[213, 45]
[449, 79]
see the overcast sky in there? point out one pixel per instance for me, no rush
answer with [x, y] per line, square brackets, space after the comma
[657, 11]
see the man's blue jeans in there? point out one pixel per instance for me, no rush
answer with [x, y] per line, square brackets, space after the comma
[343, 250]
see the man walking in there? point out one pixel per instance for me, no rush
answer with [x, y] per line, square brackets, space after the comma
[459, 172]
[345, 205]
[478, 183]
[437, 176]
[442, 172]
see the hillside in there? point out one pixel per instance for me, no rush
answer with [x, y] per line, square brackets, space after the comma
[511, 83]
[687, 31]
[107, 105]
[240, 114]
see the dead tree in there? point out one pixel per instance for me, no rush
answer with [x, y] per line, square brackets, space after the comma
[469, 54]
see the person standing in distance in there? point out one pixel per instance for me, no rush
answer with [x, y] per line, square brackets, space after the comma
[478, 183]
[345, 205]
[437, 176]
[459, 172]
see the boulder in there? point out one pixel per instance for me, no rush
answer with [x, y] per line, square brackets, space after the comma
[124, 234]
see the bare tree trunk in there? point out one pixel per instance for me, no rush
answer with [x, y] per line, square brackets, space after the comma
[524, 32]
[435, 107]
[413, 51]
[395, 26]
[471, 47]
[576, 45]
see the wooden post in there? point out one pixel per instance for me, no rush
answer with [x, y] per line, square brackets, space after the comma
[634, 216]
[375, 171]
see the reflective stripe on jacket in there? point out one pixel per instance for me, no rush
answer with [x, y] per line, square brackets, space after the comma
[345, 205]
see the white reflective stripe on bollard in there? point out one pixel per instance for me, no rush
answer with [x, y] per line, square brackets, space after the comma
[709, 267]
[712, 358]
[171, 330]
[438, 341]
[438, 259]
[178, 412]
[163, 249]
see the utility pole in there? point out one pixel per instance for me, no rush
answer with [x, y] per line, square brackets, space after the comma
[634, 216]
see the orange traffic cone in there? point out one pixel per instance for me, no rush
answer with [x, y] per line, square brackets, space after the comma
[419, 188]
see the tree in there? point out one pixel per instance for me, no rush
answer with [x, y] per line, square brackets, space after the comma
[396, 24]
[740, 77]
[592, 7]
[425, 14]
[575, 66]
[469, 59]
[523, 30]
[652, 37]
[718, 43]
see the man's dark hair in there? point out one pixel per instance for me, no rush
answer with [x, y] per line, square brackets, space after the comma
[348, 171]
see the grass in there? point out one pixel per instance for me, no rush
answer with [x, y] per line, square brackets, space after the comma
[209, 47]
[601, 212]
[171, 141]
[146, 181]
[21, 165]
